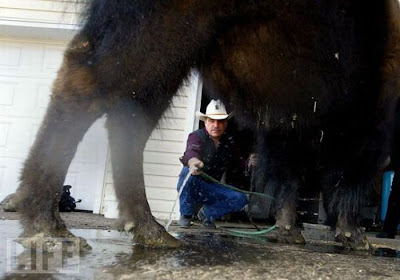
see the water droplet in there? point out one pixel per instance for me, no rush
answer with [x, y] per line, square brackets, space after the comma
[336, 55]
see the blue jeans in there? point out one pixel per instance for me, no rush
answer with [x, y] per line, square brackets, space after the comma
[216, 199]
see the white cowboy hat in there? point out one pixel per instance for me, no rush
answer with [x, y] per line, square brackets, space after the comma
[215, 110]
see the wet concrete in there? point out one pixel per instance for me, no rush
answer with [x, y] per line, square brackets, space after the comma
[209, 255]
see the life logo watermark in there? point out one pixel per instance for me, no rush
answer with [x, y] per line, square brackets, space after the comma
[64, 256]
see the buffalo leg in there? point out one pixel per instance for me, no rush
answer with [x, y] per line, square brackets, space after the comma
[129, 127]
[277, 174]
[74, 106]
[44, 171]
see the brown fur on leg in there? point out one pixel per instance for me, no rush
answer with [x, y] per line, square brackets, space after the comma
[67, 119]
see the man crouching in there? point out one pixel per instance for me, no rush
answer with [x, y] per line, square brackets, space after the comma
[209, 150]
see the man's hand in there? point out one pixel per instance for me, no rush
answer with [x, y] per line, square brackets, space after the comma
[195, 166]
[252, 161]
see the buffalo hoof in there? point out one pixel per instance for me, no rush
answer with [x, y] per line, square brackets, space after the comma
[53, 242]
[353, 239]
[289, 234]
[151, 235]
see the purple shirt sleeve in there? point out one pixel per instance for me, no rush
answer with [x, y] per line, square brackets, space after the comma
[193, 148]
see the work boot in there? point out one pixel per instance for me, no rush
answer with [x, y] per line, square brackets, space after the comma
[184, 220]
[205, 222]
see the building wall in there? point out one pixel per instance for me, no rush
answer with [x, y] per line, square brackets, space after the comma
[44, 19]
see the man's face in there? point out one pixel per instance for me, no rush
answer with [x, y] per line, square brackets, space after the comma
[215, 128]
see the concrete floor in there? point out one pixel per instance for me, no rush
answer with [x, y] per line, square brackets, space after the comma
[211, 255]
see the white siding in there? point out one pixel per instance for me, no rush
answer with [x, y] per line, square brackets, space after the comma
[31, 12]
[44, 19]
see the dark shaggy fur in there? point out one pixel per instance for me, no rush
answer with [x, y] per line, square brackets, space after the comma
[316, 79]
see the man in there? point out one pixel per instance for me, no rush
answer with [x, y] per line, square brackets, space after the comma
[209, 150]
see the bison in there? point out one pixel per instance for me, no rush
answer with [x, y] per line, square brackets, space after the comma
[316, 80]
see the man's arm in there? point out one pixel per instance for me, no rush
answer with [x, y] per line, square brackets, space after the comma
[192, 156]
[194, 147]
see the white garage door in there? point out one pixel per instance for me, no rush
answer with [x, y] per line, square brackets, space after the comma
[27, 70]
